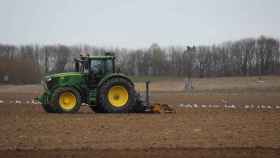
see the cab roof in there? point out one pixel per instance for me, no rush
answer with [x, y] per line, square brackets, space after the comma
[99, 57]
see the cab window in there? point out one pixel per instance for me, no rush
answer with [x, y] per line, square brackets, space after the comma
[97, 66]
[109, 66]
[101, 66]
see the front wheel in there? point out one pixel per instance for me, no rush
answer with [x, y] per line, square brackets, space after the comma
[48, 108]
[66, 100]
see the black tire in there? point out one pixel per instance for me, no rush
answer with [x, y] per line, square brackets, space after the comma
[139, 105]
[55, 100]
[94, 108]
[104, 105]
[47, 108]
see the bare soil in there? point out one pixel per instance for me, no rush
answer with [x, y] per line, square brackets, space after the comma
[27, 131]
[140, 153]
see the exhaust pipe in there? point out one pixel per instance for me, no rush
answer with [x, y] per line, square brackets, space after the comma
[147, 93]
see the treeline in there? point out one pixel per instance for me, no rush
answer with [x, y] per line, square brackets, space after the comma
[245, 57]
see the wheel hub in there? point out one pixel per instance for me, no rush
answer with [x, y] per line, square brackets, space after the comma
[67, 100]
[117, 96]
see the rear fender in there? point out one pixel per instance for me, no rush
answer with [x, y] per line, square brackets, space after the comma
[106, 78]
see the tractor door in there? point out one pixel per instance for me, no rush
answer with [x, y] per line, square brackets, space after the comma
[96, 71]
[99, 68]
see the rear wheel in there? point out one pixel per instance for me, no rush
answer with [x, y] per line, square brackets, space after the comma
[117, 95]
[66, 100]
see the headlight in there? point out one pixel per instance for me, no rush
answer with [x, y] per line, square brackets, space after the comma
[48, 79]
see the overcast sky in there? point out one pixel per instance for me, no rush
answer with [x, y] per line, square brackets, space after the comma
[136, 23]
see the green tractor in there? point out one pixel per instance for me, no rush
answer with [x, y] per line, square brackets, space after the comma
[96, 83]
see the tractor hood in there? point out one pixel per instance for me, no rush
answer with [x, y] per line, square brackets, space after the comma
[63, 75]
[64, 79]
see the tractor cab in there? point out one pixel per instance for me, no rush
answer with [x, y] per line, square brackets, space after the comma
[95, 67]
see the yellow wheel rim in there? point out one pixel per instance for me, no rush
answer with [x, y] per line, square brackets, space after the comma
[118, 96]
[67, 100]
